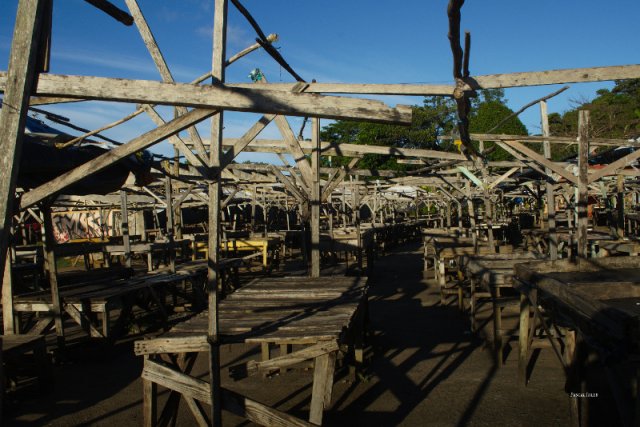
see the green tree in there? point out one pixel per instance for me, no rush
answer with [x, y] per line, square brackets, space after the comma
[614, 113]
[490, 109]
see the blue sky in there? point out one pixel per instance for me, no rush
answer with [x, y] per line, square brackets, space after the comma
[339, 41]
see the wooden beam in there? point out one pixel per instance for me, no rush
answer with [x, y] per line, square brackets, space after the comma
[178, 142]
[542, 161]
[337, 180]
[113, 11]
[349, 150]
[246, 139]
[160, 63]
[502, 177]
[551, 139]
[549, 77]
[614, 167]
[219, 96]
[295, 149]
[21, 81]
[288, 184]
[109, 158]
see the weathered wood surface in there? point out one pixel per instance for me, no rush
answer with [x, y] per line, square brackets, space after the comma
[296, 309]
[218, 96]
[601, 291]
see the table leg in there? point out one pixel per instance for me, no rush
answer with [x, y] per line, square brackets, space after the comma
[322, 386]
[523, 339]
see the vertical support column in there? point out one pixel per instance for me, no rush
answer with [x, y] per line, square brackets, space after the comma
[583, 183]
[126, 241]
[7, 302]
[551, 201]
[620, 207]
[218, 74]
[52, 271]
[21, 80]
[168, 189]
[472, 214]
[315, 198]
[177, 212]
[254, 200]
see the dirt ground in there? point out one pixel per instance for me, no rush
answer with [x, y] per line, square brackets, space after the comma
[423, 368]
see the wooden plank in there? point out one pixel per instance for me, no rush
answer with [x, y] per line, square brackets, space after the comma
[569, 75]
[107, 159]
[161, 65]
[21, 79]
[542, 161]
[246, 139]
[292, 358]
[349, 150]
[289, 185]
[178, 142]
[613, 167]
[172, 344]
[259, 413]
[583, 183]
[536, 78]
[219, 96]
[175, 380]
[294, 146]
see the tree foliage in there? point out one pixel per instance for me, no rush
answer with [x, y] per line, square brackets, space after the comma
[614, 113]
[435, 119]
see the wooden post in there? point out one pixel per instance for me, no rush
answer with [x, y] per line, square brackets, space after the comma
[551, 201]
[583, 181]
[620, 207]
[168, 189]
[52, 271]
[523, 338]
[7, 301]
[254, 200]
[218, 74]
[21, 80]
[126, 241]
[315, 199]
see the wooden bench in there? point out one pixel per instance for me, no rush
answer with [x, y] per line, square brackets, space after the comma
[321, 315]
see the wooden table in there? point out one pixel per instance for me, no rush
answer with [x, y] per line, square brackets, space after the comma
[591, 304]
[90, 304]
[13, 349]
[269, 247]
[319, 313]
[445, 253]
[493, 273]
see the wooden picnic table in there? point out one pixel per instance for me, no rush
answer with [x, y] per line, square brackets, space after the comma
[590, 305]
[320, 314]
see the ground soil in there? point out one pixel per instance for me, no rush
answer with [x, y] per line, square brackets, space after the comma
[424, 367]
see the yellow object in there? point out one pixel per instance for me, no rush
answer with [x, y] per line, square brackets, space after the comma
[458, 143]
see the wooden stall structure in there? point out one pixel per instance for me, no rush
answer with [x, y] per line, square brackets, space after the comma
[462, 181]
